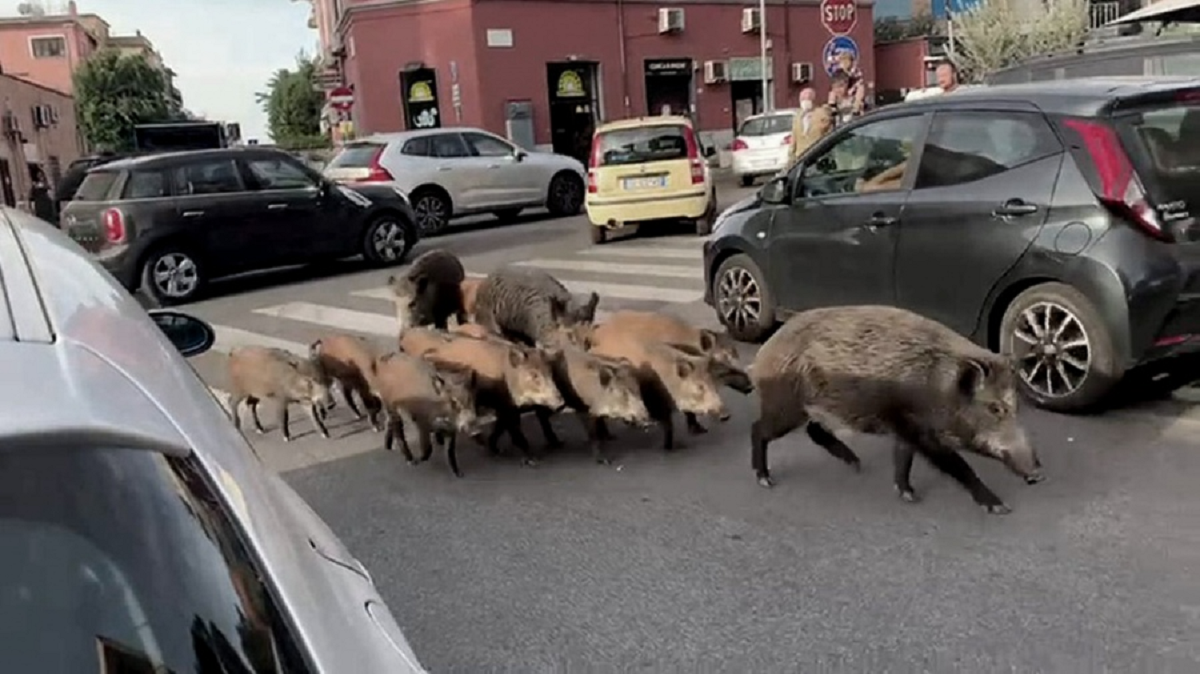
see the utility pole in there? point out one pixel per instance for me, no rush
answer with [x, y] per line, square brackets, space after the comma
[762, 45]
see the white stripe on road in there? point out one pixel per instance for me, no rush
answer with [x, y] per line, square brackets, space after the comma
[684, 242]
[597, 267]
[334, 317]
[229, 339]
[631, 292]
[657, 252]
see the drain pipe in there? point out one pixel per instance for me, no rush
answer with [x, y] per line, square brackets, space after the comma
[624, 57]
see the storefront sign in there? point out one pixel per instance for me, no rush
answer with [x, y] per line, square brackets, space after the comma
[419, 87]
[836, 52]
[669, 68]
[749, 68]
[570, 85]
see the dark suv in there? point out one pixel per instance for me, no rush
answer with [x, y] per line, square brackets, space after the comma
[1048, 221]
[171, 222]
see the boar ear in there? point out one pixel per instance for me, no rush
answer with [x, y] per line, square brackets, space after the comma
[684, 368]
[708, 340]
[314, 349]
[606, 375]
[516, 357]
[972, 375]
[686, 348]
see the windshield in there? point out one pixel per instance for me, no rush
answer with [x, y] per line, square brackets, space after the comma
[766, 126]
[118, 560]
[95, 186]
[644, 144]
[358, 155]
[1164, 144]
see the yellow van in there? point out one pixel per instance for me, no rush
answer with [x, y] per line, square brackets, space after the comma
[649, 169]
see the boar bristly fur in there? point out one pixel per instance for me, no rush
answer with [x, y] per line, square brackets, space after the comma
[469, 290]
[527, 305]
[429, 292]
[348, 361]
[884, 370]
[258, 373]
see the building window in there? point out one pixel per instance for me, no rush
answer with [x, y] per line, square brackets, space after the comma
[48, 47]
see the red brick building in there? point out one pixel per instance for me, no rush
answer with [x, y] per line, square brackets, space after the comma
[542, 72]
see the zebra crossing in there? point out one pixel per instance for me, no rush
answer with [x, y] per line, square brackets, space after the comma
[649, 274]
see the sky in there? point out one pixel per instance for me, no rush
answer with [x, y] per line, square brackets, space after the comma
[223, 51]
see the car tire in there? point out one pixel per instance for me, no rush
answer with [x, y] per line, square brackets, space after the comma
[565, 195]
[1078, 341]
[599, 234]
[746, 181]
[432, 209]
[743, 302]
[507, 215]
[172, 275]
[704, 224]
[387, 240]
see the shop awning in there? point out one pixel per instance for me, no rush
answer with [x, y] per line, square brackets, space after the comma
[1180, 11]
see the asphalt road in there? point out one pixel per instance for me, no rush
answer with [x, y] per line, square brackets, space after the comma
[680, 562]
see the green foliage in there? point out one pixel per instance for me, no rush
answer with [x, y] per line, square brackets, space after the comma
[115, 91]
[295, 143]
[293, 105]
[996, 34]
[891, 29]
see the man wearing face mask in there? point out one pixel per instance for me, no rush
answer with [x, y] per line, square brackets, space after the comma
[802, 121]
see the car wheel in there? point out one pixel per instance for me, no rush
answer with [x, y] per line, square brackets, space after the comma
[432, 211]
[171, 275]
[704, 224]
[1061, 348]
[743, 300]
[387, 240]
[746, 181]
[507, 214]
[565, 196]
[599, 234]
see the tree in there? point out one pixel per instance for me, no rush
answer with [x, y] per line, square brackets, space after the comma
[293, 106]
[115, 91]
[996, 34]
[891, 29]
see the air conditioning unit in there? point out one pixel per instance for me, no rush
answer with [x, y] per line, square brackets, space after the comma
[715, 72]
[802, 72]
[751, 21]
[670, 20]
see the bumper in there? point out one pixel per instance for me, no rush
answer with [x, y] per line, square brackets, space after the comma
[122, 264]
[615, 212]
[759, 164]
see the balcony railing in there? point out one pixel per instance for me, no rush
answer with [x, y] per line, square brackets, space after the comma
[1101, 13]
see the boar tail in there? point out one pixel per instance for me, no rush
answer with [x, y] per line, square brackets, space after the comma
[314, 349]
[588, 313]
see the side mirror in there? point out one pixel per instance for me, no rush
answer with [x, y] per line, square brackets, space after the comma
[190, 335]
[775, 191]
[520, 155]
[710, 152]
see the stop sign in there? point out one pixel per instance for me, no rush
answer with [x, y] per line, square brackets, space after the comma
[342, 98]
[838, 16]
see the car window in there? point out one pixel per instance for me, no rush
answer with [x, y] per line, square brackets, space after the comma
[643, 144]
[488, 146]
[1164, 144]
[145, 185]
[867, 158]
[356, 155]
[967, 146]
[448, 145]
[277, 174]
[213, 176]
[766, 126]
[126, 560]
[96, 186]
[417, 147]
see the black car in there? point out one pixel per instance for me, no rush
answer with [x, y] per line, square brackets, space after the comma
[169, 223]
[73, 177]
[1049, 221]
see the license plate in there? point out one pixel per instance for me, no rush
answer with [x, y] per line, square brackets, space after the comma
[646, 182]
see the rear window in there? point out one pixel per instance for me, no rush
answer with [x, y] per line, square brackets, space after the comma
[96, 186]
[766, 126]
[357, 155]
[145, 185]
[1164, 144]
[644, 144]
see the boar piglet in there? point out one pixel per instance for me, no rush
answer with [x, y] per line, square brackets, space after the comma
[596, 388]
[509, 378]
[429, 292]
[436, 401]
[883, 370]
[669, 379]
[348, 361]
[527, 305]
[257, 373]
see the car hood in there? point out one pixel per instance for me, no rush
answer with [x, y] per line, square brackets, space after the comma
[747, 204]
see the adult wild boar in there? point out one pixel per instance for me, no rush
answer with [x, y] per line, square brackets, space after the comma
[348, 361]
[429, 292]
[257, 373]
[435, 400]
[884, 370]
[469, 290]
[528, 305]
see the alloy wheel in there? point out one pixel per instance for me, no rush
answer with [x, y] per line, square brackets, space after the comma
[739, 299]
[568, 194]
[431, 213]
[175, 275]
[1052, 349]
[389, 240]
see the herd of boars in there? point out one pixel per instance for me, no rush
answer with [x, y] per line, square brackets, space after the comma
[479, 352]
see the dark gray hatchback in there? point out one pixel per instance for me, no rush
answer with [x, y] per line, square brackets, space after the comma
[1049, 221]
[169, 223]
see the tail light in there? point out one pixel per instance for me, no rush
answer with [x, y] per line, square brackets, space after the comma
[738, 144]
[114, 225]
[375, 171]
[1119, 188]
[693, 154]
[593, 164]
[787, 140]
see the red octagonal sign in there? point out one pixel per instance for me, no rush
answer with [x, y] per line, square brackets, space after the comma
[838, 16]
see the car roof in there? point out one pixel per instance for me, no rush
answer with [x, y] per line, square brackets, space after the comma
[1082, 96]
[399, 136]
[175, 158]
[636, 122]
[779, 111]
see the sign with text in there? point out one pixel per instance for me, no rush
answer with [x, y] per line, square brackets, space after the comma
[418, 89]
[839, 16]
[669, 67]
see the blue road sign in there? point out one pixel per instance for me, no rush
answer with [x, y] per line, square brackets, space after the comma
[842, 44]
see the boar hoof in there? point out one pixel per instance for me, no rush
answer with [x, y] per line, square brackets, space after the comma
[604, 461]
[908, 496]
[765, 481]
[287, 438]
[530, 463]
[260, 431]
[697, 429]
[1034, 479]
[997, 509]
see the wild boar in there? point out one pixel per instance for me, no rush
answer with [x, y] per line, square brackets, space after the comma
[419, 341]
[884, 370]
[348, 361]
[258, 373]
[469, 289]
[527, 305]
[437, 401]
[473, 330]
[670, 380]
[429, 291]
[509, 377]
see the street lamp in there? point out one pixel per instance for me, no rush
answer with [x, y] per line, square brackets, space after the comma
[762, 45]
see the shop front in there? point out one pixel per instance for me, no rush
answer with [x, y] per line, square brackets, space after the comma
[745, 87]
[419, 92]
[669, 86]
[573, 91]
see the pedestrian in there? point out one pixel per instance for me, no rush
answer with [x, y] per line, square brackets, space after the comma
[947, 76]
[820, 122]
[40, 199]
[802, 121]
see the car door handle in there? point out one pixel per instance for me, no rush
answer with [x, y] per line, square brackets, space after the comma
[192, 214]
[1015, 207]
[276, 207]
[880, 220]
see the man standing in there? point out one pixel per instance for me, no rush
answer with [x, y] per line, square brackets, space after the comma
[802, 121]
[947, 76]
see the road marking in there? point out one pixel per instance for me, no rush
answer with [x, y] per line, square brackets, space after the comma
[597, 267]
[631, 292]
[688, 242]
[229, 338]
[334, 317]
[655, 253]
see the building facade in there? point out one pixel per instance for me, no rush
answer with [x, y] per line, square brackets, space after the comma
[545, 72]
[38, 132]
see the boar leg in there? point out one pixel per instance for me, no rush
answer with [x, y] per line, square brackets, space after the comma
[592, 425]
[511, 421]
[668, 428]
[374, 407]
[832, 444]
[314, 413]
[902, 461]
[252, 403]
[283, 420]
[543, 417]
[348, 396]
[451, 442]
[949, 462]
[764, 430]
[395, 435]
[602, 431]
[236, 412]
[693, 424]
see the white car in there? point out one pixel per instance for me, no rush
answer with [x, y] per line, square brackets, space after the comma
[452, 172]
[763, 145]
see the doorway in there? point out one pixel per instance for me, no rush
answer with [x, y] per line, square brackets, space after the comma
[574, 107]
[419, 94]
[747, 100]
[668, 86]
[6, 184]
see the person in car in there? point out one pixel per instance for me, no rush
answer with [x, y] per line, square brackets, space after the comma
[947, 76]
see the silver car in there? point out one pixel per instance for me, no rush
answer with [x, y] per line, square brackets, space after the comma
[138, 530]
